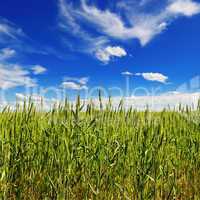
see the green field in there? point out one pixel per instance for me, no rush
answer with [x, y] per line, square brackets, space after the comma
[99, 153]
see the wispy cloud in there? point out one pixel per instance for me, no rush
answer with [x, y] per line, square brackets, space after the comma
[15, 39]
[125, 24]
[145, 2]
[88, 42]
[106, 54]
[81, 80]
[6, 53]
[127, 73]
[153, 77]
[9, 30]
[38, 69]
[13, 75]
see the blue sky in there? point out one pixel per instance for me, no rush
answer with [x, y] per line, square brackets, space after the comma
[81, 44]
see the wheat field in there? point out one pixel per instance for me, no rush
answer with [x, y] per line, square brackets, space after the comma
[85, 152]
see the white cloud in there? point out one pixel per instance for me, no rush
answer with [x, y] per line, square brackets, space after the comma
[126, 73]
[88, 42]
[33, 97]
[145, 2]
[6, 53]
[20, 96]
[40, 102]
[109, 52]
[81, 80]
[154, 102]
[9, 30]
[13, 36]
[153, 77]
[172, 93]
[66, 13]
[73, 86]
[75, 83]
[168, 100]
[38, 69]
[12, 76]
[184, 7]
[141, 25]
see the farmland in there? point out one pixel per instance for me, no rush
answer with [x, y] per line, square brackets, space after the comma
[85, 152]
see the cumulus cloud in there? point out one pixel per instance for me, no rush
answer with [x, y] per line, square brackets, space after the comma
[153, 77]
[133, 24]
[109, 52]
[75, 83]
[38, 69]
[184, 7]
[73, 86]
[12, 75]
[6, 53]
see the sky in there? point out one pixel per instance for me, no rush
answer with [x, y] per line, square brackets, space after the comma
[126, 47]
